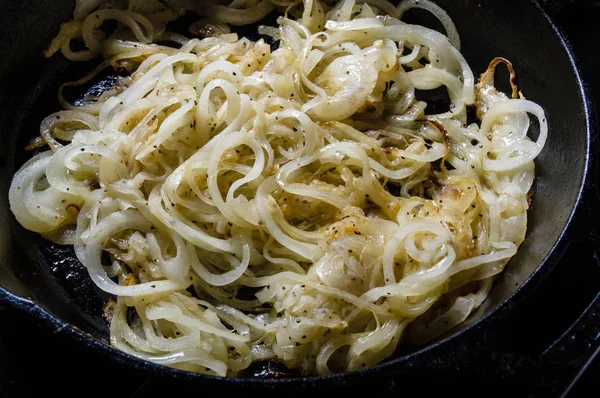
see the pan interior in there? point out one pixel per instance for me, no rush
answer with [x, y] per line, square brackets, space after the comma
[515, 29]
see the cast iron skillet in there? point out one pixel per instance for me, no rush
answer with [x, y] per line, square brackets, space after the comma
[50, 284]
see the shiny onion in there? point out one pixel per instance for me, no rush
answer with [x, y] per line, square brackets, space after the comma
[298, 204]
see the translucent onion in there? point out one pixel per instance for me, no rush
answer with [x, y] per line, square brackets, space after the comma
[246, 203]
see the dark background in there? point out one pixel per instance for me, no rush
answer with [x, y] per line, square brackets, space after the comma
[36, 363]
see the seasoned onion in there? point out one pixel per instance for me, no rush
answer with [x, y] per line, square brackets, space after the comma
[245, 203]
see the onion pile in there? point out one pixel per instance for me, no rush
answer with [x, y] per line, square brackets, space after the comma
[297, 204]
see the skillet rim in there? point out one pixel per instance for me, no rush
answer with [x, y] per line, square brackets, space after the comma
[71, 332]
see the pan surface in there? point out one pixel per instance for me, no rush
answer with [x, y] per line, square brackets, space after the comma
[35, 271]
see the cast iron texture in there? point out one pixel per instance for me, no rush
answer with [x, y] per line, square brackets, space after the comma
[33, 271]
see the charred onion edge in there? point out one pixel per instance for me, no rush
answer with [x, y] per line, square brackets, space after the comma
[109, 310]
[487, 78]
[530, 193]
[35, 143]
[444, 132]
